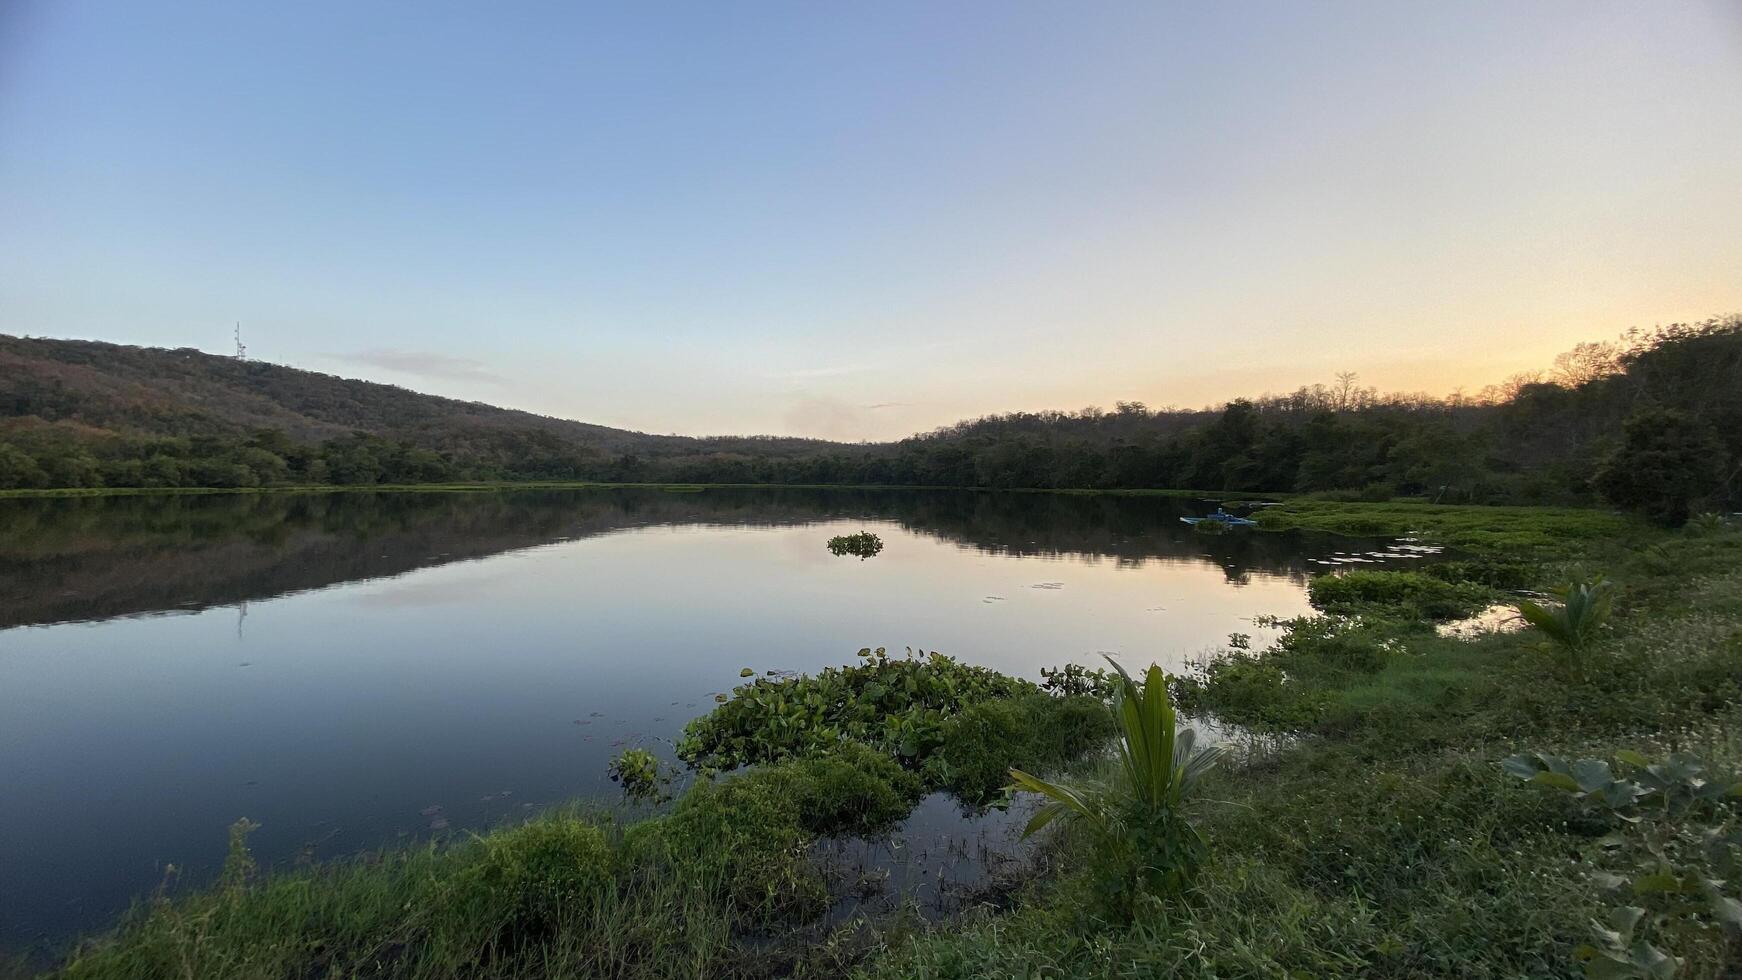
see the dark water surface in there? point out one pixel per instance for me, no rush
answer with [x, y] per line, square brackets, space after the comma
[338, 666]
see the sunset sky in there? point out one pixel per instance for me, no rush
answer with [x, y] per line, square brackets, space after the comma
[863, 220]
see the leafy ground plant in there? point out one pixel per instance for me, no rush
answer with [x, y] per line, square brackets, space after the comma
[1673, 849]
[1138, 818]
[1572, 624]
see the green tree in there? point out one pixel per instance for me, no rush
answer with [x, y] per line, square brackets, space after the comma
[18, 471]
[1665, 463]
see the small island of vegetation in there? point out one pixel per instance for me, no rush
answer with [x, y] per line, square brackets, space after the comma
[864, 544]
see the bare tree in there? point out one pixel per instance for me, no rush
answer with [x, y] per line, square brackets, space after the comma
[1345, 390]
[1586, 363]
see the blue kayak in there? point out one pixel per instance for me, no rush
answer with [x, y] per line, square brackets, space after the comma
[1221, 517]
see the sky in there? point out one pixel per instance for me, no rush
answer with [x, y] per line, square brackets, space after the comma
[858, 221]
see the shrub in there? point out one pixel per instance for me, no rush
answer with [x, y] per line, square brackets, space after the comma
[1248, 689]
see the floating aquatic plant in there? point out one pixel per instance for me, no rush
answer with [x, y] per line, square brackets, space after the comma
[864, 544]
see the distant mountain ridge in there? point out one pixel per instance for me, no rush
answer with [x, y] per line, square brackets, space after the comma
[149, 391]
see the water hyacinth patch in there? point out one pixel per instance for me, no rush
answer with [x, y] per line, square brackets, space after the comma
[864, 545]
[959, 725]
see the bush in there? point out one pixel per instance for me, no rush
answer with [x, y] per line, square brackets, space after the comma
[1249, 689]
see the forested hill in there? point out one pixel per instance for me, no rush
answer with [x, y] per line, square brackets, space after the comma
[1652, 422]
[119, 401]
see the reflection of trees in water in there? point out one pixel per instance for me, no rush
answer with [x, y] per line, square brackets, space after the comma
[97, 557]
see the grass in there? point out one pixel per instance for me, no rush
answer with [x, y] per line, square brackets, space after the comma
[1534, 532]
[568, 894]
[1412, 595]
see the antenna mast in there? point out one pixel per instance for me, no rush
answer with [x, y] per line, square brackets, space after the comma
[241, 351]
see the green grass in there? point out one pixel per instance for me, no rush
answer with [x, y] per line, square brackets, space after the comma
[571, 894]
[1411, 595]
[1505, 531]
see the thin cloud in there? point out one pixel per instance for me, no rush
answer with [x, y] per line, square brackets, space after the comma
[805, 374]
[428, 364]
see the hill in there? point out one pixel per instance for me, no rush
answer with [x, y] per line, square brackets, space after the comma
[115, 400]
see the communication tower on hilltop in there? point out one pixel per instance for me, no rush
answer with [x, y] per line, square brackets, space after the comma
[241, 350]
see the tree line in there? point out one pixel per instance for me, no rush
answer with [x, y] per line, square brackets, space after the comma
[1651, 422]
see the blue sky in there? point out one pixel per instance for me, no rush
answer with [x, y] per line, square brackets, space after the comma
[858, 221]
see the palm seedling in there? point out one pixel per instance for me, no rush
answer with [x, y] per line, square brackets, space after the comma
[1705, 524]
[1139, 812]
[1572, 625]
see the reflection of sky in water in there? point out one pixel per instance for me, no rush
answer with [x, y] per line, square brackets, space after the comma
[338, 714]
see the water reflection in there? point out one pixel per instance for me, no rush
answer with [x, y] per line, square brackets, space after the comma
[66, 560]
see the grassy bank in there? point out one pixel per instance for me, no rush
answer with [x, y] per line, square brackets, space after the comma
[1365, 825]
[1370, 829]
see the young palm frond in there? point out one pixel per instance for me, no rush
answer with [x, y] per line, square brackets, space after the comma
[1137, 817]
[1572, 625]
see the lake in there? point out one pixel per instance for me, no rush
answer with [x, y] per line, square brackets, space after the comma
[355, 669]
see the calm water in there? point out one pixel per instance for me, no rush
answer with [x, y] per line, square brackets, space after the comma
[336, 666]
